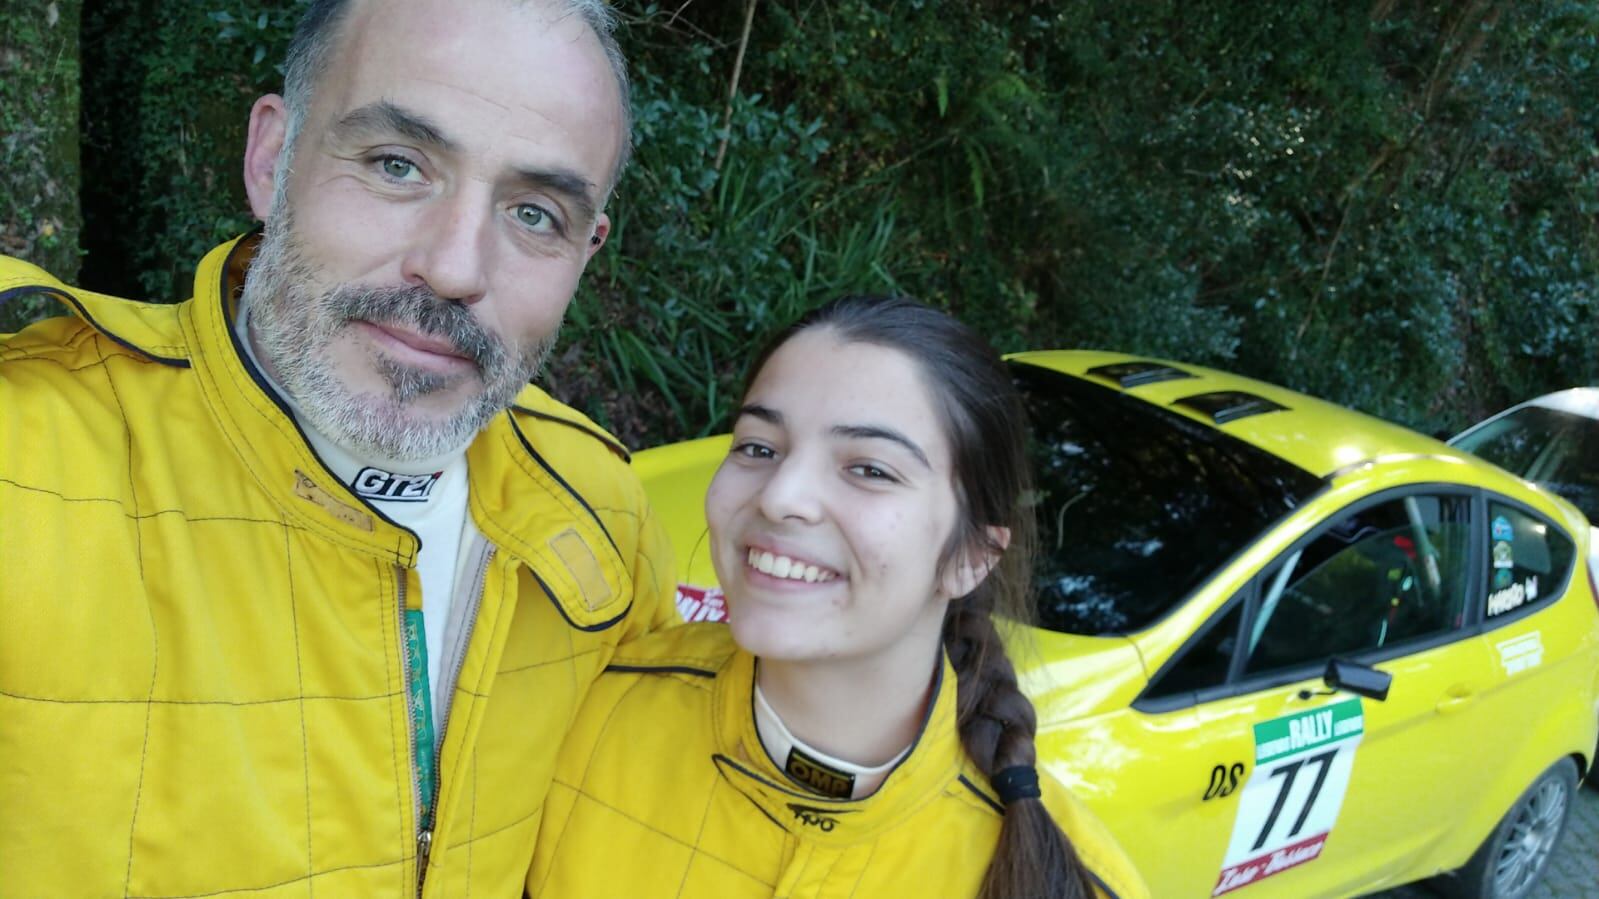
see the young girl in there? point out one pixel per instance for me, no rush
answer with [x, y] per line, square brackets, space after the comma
[856, 730]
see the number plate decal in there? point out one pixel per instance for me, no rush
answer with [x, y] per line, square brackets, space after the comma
[1292, 798]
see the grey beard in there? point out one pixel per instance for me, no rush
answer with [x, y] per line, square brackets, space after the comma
[293, 328]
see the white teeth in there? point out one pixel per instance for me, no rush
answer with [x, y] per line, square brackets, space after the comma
[785, 567]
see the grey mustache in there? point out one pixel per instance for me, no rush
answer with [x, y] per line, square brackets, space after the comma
[426, 312]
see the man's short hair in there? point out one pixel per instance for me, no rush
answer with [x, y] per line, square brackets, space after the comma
[317, 34]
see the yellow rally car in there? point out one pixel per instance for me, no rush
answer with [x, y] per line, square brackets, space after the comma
[1283, 648]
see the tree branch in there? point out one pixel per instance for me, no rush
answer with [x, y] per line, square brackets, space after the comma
[732, 87]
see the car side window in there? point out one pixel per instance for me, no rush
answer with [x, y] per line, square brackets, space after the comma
[1385, 574]
[1529, 559]
[1205, 662]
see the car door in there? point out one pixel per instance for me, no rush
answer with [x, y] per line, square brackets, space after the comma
[1325, 792]
[1542, 650]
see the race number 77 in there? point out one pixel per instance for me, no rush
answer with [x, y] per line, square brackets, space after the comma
[1291, 801]
[1288, 772]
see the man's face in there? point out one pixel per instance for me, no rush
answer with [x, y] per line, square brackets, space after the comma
[440, 205]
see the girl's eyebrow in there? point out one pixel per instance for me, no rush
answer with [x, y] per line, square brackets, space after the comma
[764, 413]
[854, 432]
[878, 432]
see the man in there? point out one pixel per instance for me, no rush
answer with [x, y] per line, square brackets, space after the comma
[300, 582]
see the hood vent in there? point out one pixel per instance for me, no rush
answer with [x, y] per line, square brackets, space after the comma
[1224, 406]
[1137, 374]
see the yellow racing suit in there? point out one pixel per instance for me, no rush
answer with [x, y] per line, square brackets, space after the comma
[203, 682]
[665, 790]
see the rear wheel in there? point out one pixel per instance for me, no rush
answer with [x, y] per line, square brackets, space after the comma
[1512, 860]
[1593, 769]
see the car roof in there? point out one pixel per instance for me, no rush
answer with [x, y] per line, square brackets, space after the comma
[1317, 436]
[1583, 401]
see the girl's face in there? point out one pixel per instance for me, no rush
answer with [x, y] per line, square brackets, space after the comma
[830, 514]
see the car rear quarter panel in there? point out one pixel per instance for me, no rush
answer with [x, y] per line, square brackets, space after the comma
[1538, 715]
[675, 478]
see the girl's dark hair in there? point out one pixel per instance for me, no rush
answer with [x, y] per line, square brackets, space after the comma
[986, 426]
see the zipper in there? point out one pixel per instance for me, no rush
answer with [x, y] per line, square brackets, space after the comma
[418, 705]
[424, 849]
[424, 840]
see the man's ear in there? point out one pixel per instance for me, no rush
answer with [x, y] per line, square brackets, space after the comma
[263, 147]
[602, 230]
[967, 571]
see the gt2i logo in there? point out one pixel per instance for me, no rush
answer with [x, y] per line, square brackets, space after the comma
[1292, 799]
[821, 818]
[373, 483]
[1223, 781]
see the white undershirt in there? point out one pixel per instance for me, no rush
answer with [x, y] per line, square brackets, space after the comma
[778, 742]
[435, 510]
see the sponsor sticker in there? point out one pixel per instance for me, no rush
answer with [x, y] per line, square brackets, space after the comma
[1502, 529]
[1503, 577]
[701, 603]
[386, 486]
[1292, 799]
[1503, 558]
[1508, 599]
[1520, 653]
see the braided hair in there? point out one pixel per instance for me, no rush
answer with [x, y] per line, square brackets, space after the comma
[986, 426]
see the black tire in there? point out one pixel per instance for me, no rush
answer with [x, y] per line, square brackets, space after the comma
[1512, 860]
[1593, 769]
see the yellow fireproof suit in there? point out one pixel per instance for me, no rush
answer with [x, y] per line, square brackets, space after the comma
[202, 676]
[664, 790]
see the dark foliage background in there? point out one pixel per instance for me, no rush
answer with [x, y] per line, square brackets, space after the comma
[1394, 205]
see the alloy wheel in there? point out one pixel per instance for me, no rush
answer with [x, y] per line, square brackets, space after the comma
[1532, 837]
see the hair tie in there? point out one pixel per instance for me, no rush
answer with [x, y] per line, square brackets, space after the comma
[1016, 782]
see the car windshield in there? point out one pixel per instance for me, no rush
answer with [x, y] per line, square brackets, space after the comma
[1557, 449]
[1137, 505]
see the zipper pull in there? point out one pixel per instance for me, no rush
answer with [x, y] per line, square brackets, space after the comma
[424, 848]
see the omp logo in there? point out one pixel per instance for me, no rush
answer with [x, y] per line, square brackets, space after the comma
[819, 776]
[374, 483]
[822, 818]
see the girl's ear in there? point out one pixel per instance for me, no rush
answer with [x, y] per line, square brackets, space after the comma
[966, 572]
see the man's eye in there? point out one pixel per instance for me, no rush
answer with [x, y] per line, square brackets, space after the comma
[397, 167]
[535, 218]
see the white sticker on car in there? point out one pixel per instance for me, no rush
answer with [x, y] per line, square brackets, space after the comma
[1520, 653]
[1513, 597]
[701, 603]
[1292, 798]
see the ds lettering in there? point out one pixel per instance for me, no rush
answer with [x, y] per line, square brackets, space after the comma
[1224, 781]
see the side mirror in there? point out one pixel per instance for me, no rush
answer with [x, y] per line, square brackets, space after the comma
[1362, 680]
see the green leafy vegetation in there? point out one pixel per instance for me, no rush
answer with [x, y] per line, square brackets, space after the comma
[1391, 205]
[39, 218]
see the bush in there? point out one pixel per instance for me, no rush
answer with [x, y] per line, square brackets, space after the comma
[39, 218]
[1389, 205]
